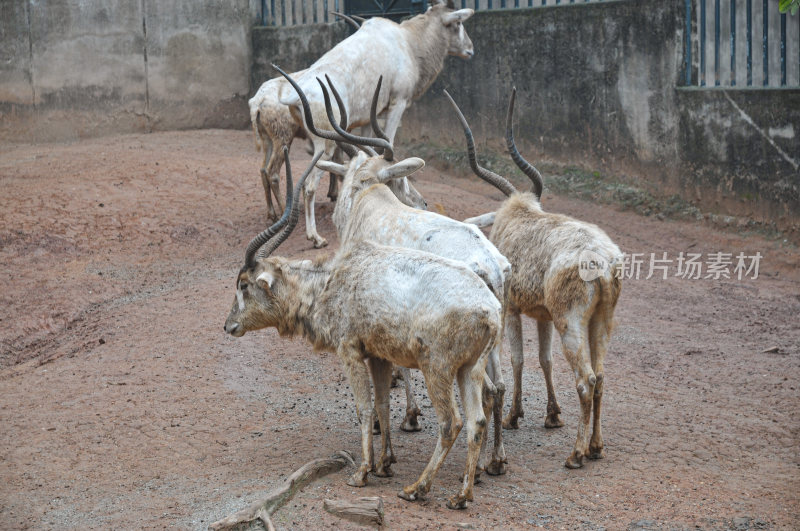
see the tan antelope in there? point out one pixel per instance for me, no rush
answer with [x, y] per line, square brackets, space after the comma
[547, 284]
[274, 129]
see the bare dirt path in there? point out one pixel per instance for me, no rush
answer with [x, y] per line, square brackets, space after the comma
[124, 405]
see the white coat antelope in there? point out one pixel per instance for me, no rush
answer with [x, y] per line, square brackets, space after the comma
[385, 306]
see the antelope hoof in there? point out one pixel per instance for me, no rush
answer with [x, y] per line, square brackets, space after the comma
[457, 502]
[359, 478]
[553, 420]
[596, 453]
[496, 468]
[319, 242]
[574, 461]
[411, 493]
[511, 422]
[410, 423]
[396, 376]
[383, 471]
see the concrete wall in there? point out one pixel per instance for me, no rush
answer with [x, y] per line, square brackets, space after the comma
[76, 68]
[292, 49]
[598, 86]
[590, 82]
[744, 145]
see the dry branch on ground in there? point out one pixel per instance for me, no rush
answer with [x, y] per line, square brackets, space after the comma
[260, 511]
[365, 511]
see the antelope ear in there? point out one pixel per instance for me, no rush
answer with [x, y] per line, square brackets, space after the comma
[336, 169]
[404, 168]
[461, 15]
[265, 280]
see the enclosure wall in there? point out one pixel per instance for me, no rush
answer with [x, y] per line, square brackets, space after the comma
[599, 86]
[292, 49]
[76, 68]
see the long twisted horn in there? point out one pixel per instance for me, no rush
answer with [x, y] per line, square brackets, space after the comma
[489, 176]
[274, 243]
[348, 149]
[532, 173]
[329, 111]
[307, 108]
[328, 135]
[262, 238]
[347, 19]
[373, 113]
[342, 112]
[388, 152]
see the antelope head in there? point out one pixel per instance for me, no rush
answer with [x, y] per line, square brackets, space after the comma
[256, 304]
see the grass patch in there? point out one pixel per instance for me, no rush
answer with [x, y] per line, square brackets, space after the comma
[592, 186]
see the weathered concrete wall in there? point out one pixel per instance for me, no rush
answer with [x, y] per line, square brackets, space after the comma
[198, 62]
[292, 49]
[739, 151]
[590, 81]
[76, 68]
[15, 57]
[598, 86]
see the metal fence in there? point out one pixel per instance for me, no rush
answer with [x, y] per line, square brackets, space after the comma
[729, 43]
[741, 43]
[297, 12]
[482, 5]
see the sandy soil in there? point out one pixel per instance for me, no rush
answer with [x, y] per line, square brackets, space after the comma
[124, 405]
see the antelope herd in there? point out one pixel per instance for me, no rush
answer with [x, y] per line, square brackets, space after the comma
[408, 287]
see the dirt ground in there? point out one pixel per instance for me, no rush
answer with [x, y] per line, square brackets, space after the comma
[124, 405]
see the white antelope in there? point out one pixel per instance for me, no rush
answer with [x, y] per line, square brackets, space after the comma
[409, 56]
[274, 129]
[368, 209]
[385, 306]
